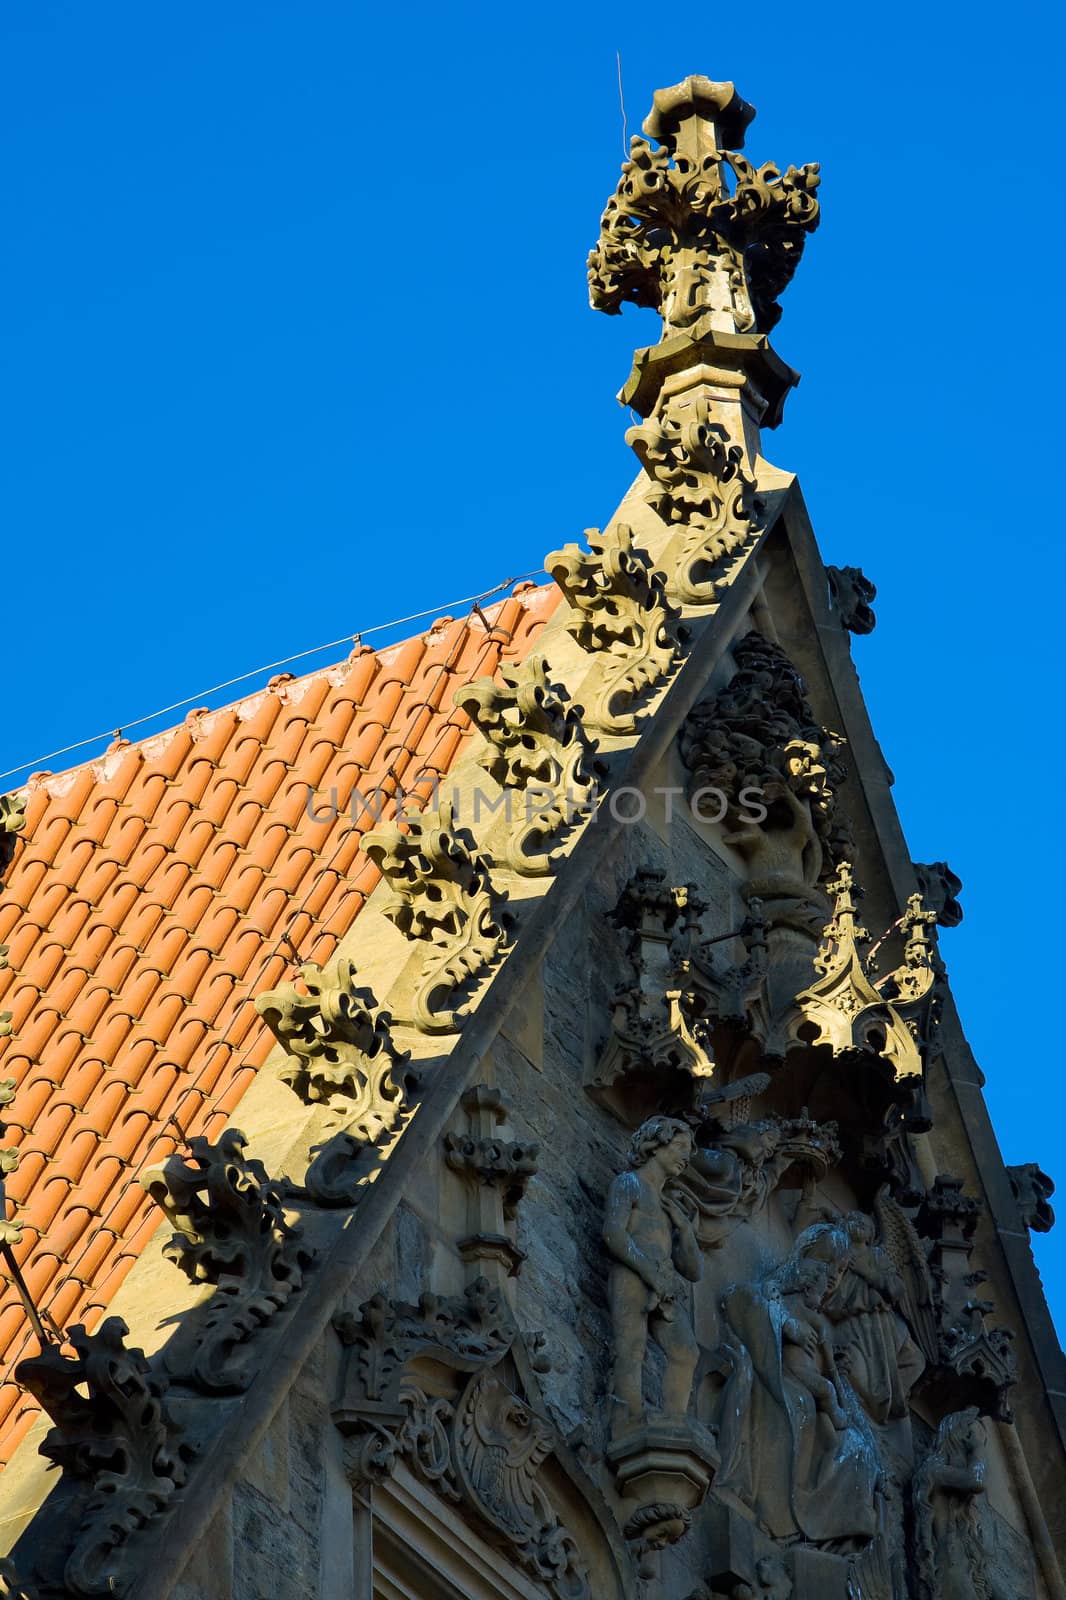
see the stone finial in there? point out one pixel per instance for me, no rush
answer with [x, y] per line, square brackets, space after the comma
[676, 237]
[1033, 1190]
[443, 895]
[538, 750]
[852, 596]
[339, 1048]
[232, 1232]
[623, 617]
[113, 1431]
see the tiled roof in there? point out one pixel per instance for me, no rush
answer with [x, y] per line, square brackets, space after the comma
[152, 895]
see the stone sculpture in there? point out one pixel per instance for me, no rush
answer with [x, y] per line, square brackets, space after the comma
[652, 1245]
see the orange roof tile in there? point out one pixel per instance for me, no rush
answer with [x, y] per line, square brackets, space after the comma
[143, 908]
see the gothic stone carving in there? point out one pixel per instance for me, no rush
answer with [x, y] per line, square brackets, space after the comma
[482, 1448]
[698, 483]
[677, 987]
[1033, 1190]
[538, 749]
[674, 237]
[940, 889]
[10, 1228]
[948, 1487]
[623, 616]
[12, 1587]
[232, 1232]
[651, 1244]
[112, 1431]
[339, 1048]
[12, 822]
[757, 743]
[795, 1445]
[843, 1007]
[442, 895]
[736, 1167]
[506, 1165]
[852, 595]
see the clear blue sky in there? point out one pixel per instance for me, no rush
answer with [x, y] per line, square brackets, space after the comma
[296, 341]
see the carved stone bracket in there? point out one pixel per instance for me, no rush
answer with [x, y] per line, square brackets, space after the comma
[538, 749]
[112, 1431]
[698, 483]
[442, 895]
[232, 1232]
[623, 616]
[852, 595]
[339, 1047]
[663, 1471]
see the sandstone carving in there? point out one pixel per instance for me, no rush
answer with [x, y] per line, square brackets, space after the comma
[652, 1247]
[852, 595]
[232, 1232]
[10, 1227]
[675, 238]
[114, 1432]
[795, 1446]
[505, 1165]
[443, 895]
[948, 1489]
[756, 742]
[735, 1168]
[12, 1587]
[12, 822]
[339, 1047]
[698, 483]
[622, 616]
[940, 889]
[538, 749]
[1033, 1190]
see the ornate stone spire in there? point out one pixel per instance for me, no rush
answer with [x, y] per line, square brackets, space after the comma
[710, 242]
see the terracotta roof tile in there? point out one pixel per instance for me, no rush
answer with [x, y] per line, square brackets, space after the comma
[145, 907]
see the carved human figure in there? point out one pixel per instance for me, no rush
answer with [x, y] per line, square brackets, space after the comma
[883, 1361]
[950, 1549]
[652, 1246]
[795, 1447]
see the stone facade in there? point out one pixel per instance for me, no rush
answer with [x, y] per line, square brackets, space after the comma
[607, 1221]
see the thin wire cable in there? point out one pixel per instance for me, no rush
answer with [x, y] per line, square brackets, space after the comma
[300, 655]
[622, 103]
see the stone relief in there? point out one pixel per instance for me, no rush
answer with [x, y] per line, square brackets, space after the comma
[652, 1247]
[757, 742]
[339, 1048]
[232, 1232]
[115, 1433]
[796, 1446]
[699, 483]
[623, 618]
[950, 1536]
[538, 748]
[443, 895]
[852, 595]
[481, 1445]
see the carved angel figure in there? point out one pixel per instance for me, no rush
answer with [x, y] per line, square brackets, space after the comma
[884, 1363]
[651, 1241]
[795, 1446]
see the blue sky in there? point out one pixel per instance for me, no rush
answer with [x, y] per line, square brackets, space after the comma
[296, 341]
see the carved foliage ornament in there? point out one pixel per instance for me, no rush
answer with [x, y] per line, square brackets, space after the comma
[339, 1047]
[12, 821]
[483, 1449]
[538, 748]
[699, 484]
[675, 237]
[623, 616]
[443, 895]
[112, 1430]
[852, 595]
[231, 1232]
